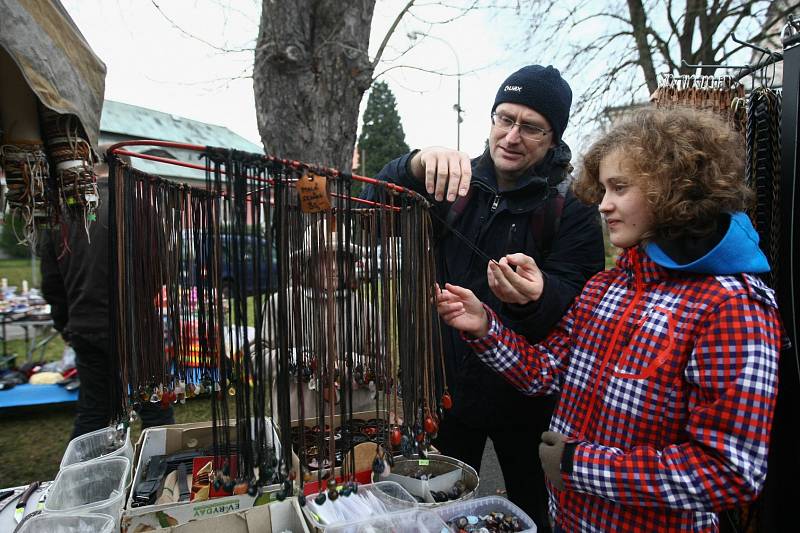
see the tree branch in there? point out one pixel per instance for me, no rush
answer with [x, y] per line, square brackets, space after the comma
[673, 25]
[195, 37]
[686, 37]
[389, 33]
[639, 25]
[620, 18]
[463, 12]
[428, 70]
[739, 18]
[769, 23]
[663, 47]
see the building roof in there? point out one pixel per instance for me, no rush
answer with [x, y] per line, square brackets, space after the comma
[143, 123]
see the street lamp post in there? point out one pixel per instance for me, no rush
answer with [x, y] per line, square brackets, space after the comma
[457, 107]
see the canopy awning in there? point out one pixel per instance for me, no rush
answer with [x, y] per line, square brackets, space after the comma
[54, 59]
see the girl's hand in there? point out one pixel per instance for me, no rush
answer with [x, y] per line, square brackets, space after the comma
[515, 279]
[462, 310]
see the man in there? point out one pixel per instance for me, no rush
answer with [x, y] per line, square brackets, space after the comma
[513, 198]
[75, 282]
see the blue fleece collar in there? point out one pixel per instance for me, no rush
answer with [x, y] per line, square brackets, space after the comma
[736, 253]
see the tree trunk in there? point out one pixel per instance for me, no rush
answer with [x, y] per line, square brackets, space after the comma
[311, 70]
[638, 20]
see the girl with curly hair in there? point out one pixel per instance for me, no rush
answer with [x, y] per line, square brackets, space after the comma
[666, 364]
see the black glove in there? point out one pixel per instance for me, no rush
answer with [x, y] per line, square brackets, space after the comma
[551, 453]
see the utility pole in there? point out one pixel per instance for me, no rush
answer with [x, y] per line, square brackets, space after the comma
[457, 106]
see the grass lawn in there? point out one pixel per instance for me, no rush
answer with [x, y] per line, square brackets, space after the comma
[33, 439]
[16, 270]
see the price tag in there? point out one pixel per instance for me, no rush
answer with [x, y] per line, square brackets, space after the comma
[313, 193]
[424, 462]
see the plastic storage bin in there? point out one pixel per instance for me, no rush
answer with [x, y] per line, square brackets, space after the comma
[91, 487]
[68, 523]
[377, 499]
[483, 506]
[413, 521]
[96, 445]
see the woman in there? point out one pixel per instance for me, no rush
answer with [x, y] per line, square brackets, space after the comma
[666, 364]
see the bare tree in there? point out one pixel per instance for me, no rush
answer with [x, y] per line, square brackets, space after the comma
[624, 46]
[312, 67]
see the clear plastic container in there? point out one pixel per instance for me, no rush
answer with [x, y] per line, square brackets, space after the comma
[413, 521]
[68, 523]
[376, 499]
[97, 444]
[92, 487]
[444, 471]
[483, 506]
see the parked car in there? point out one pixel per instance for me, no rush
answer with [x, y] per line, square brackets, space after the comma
[240, 272]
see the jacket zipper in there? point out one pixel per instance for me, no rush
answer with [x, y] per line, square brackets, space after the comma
[593, 399]
[488, 222]
[510, 240]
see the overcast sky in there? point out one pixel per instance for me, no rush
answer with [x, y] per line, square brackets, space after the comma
[154, 63]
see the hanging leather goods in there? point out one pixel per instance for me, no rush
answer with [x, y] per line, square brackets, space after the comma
[27, 179]
[74, 182]
[313, 192]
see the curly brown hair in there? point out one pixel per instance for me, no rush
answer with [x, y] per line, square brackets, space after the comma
[688, 163]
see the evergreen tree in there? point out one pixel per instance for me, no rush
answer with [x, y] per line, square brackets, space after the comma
[382, 137]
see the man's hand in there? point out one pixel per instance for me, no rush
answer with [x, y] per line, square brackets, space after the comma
[444, 170]
[551, 450]
[520, 286]
[461, 309]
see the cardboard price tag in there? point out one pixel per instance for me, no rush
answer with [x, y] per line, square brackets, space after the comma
[313, 192]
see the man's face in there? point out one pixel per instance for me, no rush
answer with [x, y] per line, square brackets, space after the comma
[513, 154]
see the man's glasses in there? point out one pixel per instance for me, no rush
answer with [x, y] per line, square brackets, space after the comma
[526, 131]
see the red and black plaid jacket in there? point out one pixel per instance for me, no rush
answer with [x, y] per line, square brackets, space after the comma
[668, 383]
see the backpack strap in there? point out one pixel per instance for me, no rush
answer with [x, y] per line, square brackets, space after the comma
[544, 222]
[454, 213]
[457, 207]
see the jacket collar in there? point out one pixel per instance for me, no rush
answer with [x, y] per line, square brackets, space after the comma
[639, 267]
[733, 249]
[551, 171]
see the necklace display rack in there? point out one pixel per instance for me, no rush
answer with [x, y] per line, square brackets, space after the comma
[344, 306]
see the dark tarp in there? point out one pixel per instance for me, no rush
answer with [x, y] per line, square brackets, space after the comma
[54, 59]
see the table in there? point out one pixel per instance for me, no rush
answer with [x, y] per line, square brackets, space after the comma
[38, 333]
[8, 505]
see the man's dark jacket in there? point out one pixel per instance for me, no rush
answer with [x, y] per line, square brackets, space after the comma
[75, 280]
[498, 224]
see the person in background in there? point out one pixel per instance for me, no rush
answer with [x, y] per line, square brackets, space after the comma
[513, 198]
[75, 282]
[336, 269]
[666, 364]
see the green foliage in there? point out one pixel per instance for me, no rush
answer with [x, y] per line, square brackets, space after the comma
[382, 137]
[9, 243]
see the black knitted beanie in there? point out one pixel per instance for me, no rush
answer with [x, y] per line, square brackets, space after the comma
[543, 90]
